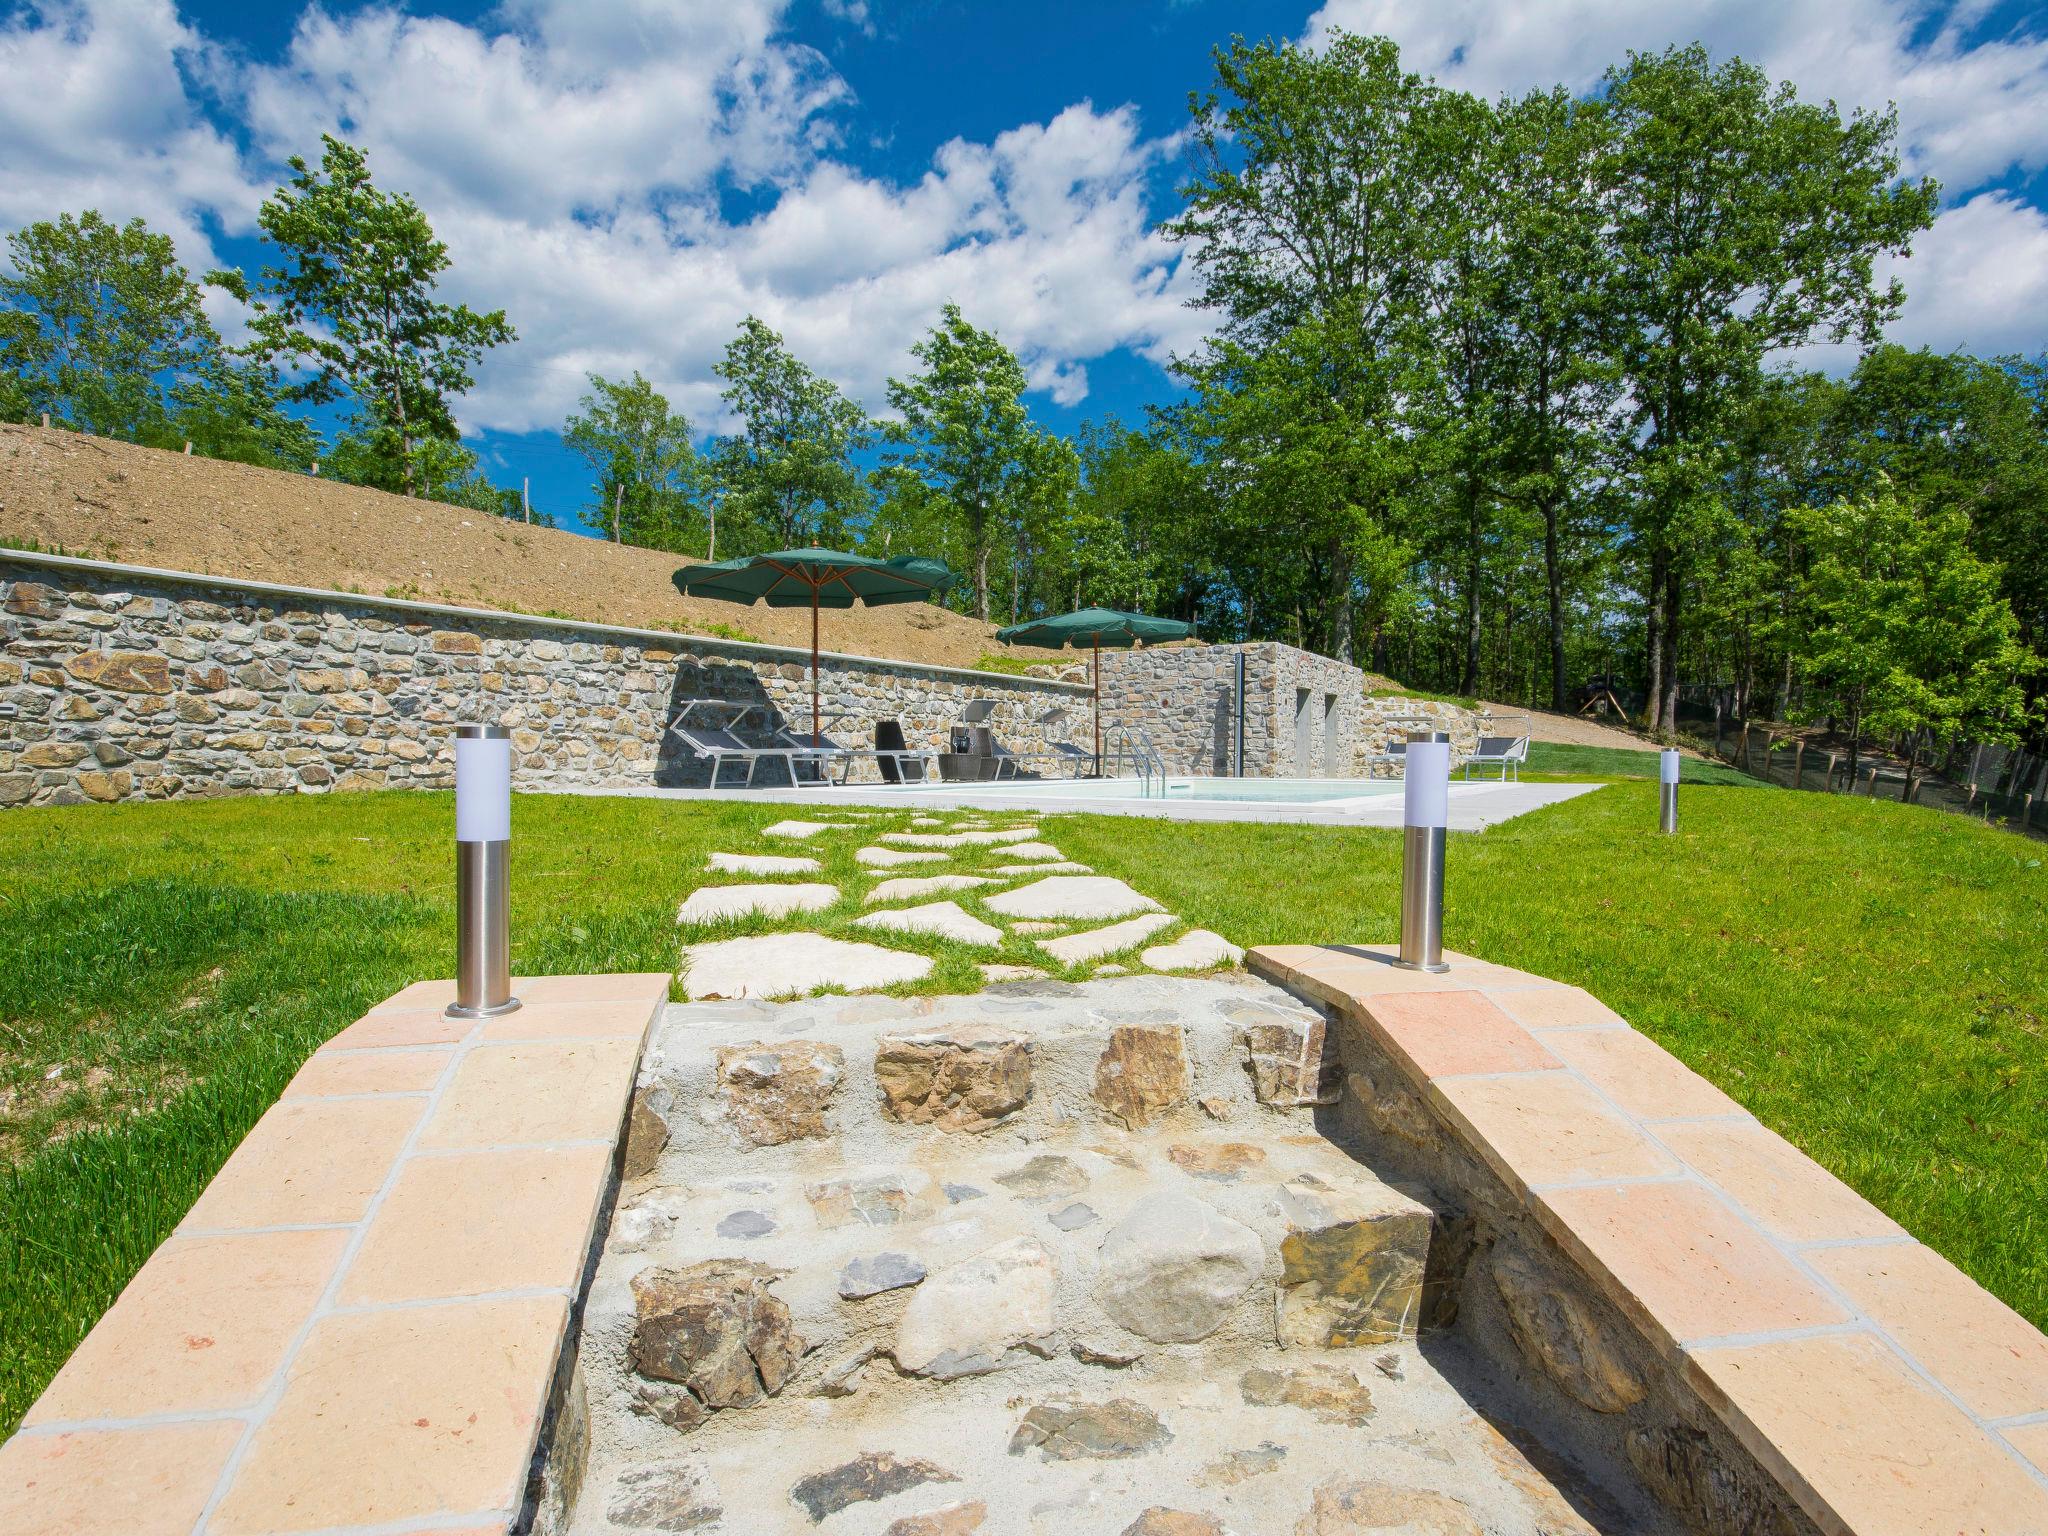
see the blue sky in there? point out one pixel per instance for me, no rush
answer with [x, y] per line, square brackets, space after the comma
[627, 178]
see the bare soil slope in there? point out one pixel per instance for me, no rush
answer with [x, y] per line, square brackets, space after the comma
[114, 501]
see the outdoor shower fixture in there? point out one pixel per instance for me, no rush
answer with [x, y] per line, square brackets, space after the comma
[1667, 790]
[483, 839]
[1425, 809]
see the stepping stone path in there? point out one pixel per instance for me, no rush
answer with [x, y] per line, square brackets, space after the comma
[721, 903]
[904, 887]
[978, 854]
[981, 1300]
[890, 858]
[942, 918]
[791, 964]
[762, 864]
[1095, 896]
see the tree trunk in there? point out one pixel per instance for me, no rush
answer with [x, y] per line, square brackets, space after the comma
[1653, 646]
[1670, 637]
[1340, 601]
[1553, 580]
[1468, 676]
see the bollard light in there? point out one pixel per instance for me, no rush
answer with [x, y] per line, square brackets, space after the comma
[1667, 790]
[1425, 809]
[483, 840]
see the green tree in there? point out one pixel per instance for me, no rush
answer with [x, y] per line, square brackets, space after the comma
[787, 478]
[1307, 216]
[968, 443]
[235, 410]
[1741, 221]
[101, 326]
[647, 473]
[354, 305]
[1906, 629]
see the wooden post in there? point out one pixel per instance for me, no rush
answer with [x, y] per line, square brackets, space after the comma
[188, 448]
[1770, 747]
[316, 469]
[525, 506]
[1828, 784]
[618, 500]
[1799, 763]
[46, 421]
[1742, 747]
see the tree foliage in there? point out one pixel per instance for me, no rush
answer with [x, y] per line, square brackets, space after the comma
[648, 478]
[351, 310]
[789, 477]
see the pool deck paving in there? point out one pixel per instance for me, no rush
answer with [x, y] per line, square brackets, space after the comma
[1473, 807]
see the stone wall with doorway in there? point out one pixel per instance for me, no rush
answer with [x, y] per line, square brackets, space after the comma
[1302, 712]
[123, 683]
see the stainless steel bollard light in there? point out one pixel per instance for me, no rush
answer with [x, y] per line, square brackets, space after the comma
[1425, 810]
[483, 839]
[1667, 790]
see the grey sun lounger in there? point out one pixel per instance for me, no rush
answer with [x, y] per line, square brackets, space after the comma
[829, 751]
[704, 736]
[1506, 752]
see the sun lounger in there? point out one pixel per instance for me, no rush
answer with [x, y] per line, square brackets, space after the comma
[829, 751]
[1393, 757]
[704, 734]
[1506, 752]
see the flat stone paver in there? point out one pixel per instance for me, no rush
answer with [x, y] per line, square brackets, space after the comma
[903, 887]
[762, 864]
[791, 964]
[1061, 867]
[322, 1345]
[1079, 948]
[891, 858]
[722, 903]
[958, 839]
[1033, 851]
[801, 829]
[1196, 950]
[1078, 896]
[945, 919]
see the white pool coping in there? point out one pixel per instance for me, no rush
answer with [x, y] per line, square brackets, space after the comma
[1473, 807]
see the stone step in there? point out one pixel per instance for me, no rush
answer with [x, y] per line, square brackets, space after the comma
[778, 1085]
[834, 1303]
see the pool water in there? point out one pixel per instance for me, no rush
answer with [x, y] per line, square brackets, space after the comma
[1241, 791]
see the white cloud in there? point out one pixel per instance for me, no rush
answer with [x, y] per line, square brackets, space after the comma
[96, 112]
[1968, 110]
[574, 156]
[1978, 280]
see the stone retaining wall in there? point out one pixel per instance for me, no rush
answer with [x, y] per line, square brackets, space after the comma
[120, 683]
[1305, 716]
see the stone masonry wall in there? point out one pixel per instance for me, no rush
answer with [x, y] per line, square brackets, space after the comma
[1185, 698]
[118, 683]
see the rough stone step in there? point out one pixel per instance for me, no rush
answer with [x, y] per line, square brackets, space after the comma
[1275, 1444]
[866, 1078]
[831, 1308]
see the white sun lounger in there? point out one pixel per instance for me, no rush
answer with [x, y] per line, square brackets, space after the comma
[829, 751]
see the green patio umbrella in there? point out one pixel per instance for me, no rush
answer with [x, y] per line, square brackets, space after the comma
[814, 579]
[1095, 628]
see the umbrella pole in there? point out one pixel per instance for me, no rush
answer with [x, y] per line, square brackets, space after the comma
[1096, 672]
[814, 666]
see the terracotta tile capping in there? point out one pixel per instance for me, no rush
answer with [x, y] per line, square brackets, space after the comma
[251, 1324]
[1780, 1293]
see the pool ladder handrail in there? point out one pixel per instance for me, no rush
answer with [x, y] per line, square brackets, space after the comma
[1134, 745]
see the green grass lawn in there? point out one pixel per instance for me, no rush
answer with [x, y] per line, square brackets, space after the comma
[1866, 977]
[1550, 760]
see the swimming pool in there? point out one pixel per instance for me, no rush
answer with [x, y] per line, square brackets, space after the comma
[1330, 792]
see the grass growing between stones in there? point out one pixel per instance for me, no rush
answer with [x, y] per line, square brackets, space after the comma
[1865, 977]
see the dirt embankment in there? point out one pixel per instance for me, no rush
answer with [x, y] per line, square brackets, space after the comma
[113, 501]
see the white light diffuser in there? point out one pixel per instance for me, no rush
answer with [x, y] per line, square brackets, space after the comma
[1667, 766]
[1427, 793]
[483, 789]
